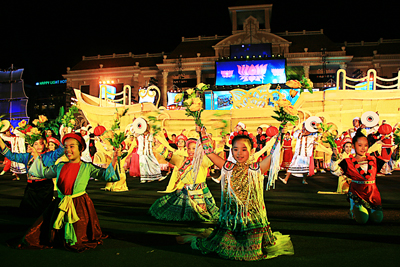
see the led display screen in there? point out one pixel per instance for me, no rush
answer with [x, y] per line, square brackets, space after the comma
[250, 72]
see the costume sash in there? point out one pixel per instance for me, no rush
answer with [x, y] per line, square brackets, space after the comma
[67, 206]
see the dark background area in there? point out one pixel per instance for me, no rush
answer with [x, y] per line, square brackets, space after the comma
[46, 37]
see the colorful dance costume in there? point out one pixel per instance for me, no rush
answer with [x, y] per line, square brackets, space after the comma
[386, 153]
[363, 193]
[71, 220]
[38, 192]
[243, 231]
[119, 186]
[190, 198]
[300, 163]
[17, 146]
[150, 169]
[287, 153]
[342, 179]
[132, 161]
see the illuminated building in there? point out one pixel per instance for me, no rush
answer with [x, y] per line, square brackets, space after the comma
[308, 53]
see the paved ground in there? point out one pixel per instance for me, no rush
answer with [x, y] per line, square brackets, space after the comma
[318, 224]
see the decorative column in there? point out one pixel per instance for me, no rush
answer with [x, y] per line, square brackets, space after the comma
[234, 21]
[198, 75]
[306, 71]
[165, 88]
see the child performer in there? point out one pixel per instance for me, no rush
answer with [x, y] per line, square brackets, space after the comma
[343, 181]
[261, 139]
[52, 143]
[243, 231]
[386, 134]
[17, 142]
[38, 192]
[150, 169]
[132, 161]
[71, 220]
[364, 196]
[287, 151]
[300, 165]
[189, 197]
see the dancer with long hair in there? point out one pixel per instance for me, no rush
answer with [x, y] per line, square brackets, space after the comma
[243, 231]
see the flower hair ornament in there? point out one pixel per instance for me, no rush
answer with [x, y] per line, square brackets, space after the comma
[244, 133]
[189, 141]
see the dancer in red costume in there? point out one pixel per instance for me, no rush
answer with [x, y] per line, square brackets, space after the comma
[361, 168]
[287, 151]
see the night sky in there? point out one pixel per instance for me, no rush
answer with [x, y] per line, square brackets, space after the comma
[45, 38]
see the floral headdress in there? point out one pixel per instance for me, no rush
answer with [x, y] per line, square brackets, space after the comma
[345, 141]
[244, 133]
[181, 136]
[189, 141]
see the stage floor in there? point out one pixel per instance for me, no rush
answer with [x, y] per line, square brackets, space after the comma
[318, 224]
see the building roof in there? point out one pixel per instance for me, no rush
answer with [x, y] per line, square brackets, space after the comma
[314, 41]
[366, 49]
[119, 61]
[189, 48]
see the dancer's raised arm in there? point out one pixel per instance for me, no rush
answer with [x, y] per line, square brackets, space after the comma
[208, 148]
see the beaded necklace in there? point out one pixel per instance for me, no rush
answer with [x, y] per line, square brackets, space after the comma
[365, 175]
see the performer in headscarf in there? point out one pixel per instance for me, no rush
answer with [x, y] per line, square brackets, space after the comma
[188, 198]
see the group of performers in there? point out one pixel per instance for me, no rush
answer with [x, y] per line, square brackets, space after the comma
[242, 229]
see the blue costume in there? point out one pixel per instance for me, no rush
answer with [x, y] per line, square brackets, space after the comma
[38, 192]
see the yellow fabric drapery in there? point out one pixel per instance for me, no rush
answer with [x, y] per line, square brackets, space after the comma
[68, 216]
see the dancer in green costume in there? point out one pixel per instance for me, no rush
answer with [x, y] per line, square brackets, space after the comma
[70, 221]
[243, 231]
